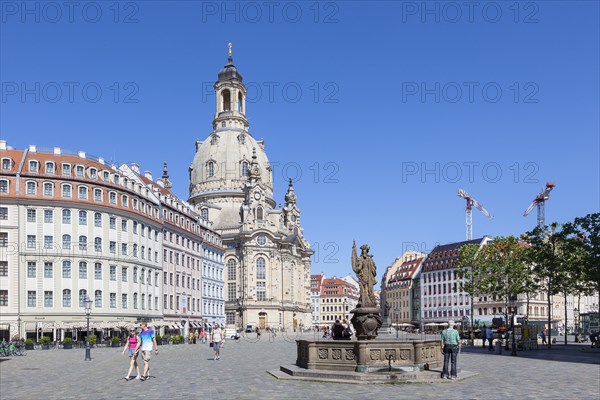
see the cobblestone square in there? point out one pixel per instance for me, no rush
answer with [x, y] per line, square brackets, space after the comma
[189, 372]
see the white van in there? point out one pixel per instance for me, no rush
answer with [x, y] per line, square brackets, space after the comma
[232, 333]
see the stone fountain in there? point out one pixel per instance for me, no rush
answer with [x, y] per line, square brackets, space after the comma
[365, 359]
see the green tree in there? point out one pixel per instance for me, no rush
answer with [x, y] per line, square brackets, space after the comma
[498, 269]
[545, 253]
[466, 271]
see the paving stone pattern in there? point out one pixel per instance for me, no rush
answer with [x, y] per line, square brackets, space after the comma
[189, 372]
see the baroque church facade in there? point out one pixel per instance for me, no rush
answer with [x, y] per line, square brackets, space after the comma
[267, 259]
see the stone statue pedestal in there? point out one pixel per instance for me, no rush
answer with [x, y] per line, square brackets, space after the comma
[366, 321]
[369, 356]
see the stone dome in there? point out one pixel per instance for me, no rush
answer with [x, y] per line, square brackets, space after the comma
[229, 72]
[222, 163]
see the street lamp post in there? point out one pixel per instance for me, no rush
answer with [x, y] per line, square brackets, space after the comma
[88, 310]
[396, 310]
[576, 317]
[513, 299]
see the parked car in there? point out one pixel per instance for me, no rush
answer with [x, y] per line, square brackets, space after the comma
[232, 333]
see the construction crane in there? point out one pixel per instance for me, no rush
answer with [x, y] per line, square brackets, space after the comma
[540, 201]
[471, 202]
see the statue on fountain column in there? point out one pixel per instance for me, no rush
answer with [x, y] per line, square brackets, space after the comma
[366, 316]
[365, 269]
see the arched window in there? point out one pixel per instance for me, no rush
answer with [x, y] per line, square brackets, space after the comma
[83, 192]
[245, 170]
[66, 216]
[259, 213]
[240, 104]
[260, 268]
[66, 298]
[48, 189]
[204, 213]
[98, 244]
[82, 296]
[82, 242]
[31, 186]
[226, 96]
[66, 269]
[66, 190]
[98, 298]
[66, 242]
[210, 169]
[82, 217]
[97, 219]
[6, 164]
[231, 269]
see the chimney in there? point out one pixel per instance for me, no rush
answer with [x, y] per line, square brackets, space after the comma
[57, 151]
[135, 167]
[81, 154]
[32, 148]
[2, 144]
[148, 174]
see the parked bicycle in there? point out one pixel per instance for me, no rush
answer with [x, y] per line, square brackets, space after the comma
[12, 349]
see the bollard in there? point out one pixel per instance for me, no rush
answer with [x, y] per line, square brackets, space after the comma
[498, 347]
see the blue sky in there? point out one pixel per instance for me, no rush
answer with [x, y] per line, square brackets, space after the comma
[384, 108]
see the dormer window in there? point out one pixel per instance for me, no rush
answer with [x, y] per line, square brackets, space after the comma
[66, 169]
[50, 168]
[79, 170]
[105, 175]
[6, 164]
[33, 166]
[93, 173]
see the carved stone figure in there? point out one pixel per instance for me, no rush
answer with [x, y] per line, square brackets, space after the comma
[364, 267]
[366, 318]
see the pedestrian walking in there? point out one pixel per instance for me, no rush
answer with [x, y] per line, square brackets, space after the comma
[544, 336]
[131, 344]
[145, 345]
[450, 346]
[203, 335]
[216, 339]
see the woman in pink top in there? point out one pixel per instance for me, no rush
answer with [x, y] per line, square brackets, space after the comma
[131, 344]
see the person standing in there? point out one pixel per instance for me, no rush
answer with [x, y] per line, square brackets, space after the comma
[489, 334]
[145, 345]
[131, 344]
[216, 339]
[483, 336]
[450, 346]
